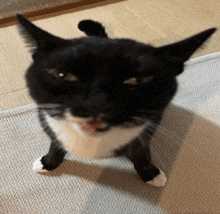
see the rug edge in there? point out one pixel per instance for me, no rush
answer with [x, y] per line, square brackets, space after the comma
[204, 58]
[18, 110]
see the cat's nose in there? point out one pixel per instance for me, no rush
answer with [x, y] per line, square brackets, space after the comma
[95, 103]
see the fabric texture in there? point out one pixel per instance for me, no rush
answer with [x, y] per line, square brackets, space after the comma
[186, 147]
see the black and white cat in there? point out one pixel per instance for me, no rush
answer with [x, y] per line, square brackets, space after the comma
[100, 97]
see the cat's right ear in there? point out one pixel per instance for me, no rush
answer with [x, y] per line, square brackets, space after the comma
[38, 39]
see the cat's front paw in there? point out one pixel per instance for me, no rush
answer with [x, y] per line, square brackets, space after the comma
[159, 180]
[38, 166]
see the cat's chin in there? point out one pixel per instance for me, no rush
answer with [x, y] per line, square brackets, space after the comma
[95, 132]
[88, 126]
[94, 126]
[85, 129]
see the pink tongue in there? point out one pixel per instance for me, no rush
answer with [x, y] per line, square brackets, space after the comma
[92, 125]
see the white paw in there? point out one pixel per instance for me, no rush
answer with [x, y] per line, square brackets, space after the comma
[159, 180]
[38, 166]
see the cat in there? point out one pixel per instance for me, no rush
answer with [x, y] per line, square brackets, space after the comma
[100, 97]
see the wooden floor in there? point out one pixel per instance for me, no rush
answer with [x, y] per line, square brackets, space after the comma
[156, 22]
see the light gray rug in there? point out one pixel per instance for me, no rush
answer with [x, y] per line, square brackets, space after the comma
[186, 147]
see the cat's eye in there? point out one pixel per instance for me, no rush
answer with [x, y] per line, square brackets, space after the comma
[71, 77]
[131, 81]
[136, 81]
[63, 75]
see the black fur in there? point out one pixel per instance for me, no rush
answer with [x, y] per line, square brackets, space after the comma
[102, 65]
[92, 28]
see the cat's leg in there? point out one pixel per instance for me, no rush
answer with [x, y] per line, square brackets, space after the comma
[56, 153]
[139, 155]
[50, 161]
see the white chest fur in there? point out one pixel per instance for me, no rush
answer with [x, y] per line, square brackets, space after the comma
[100, 145]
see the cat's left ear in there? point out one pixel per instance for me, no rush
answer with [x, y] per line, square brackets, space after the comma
[180, 52]
[38, 39]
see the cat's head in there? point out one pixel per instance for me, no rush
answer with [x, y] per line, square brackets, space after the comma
[119, 81]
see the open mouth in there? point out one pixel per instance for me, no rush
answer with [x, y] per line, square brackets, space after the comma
[95, 125]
